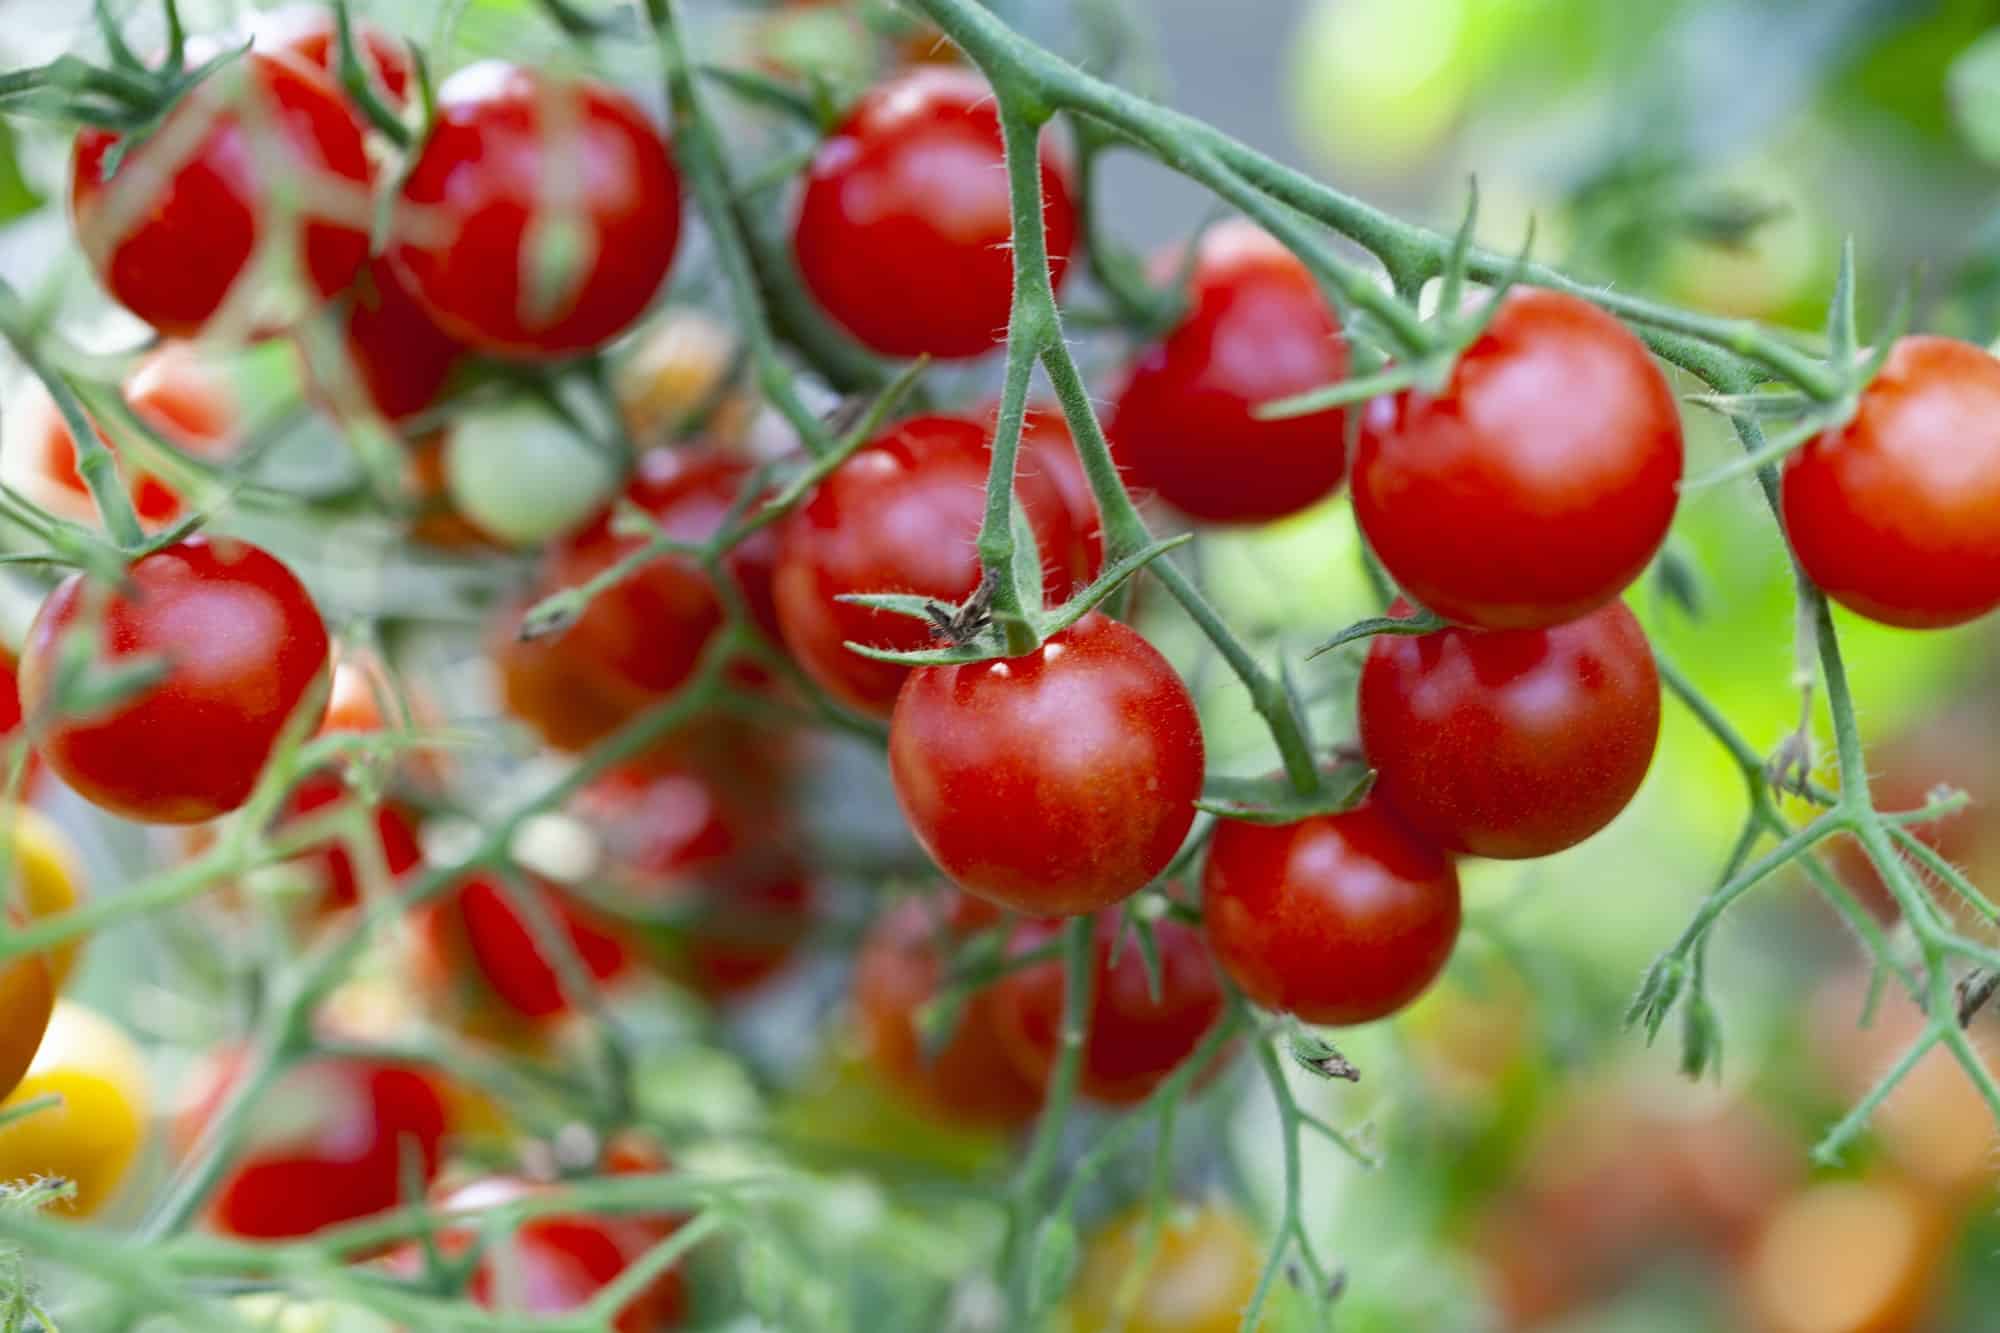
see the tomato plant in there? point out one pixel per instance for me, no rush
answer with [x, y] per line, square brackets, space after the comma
[309, 32]
[903, 227]
[92, 1137]
[541, 214]
[1256, 330]
[1512, 743]
[1537, 482]
[1055, 783]
[240, 654]
[1338, 919]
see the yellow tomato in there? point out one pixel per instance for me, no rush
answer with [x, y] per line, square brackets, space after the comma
[1847, 1257]
[1203, 1273]
[47, 880]
[94, 1135]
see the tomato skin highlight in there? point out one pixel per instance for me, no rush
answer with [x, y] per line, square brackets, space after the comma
[903, 230]
[246, 655]
[1538, 483]
[902, 515]
[1133, 1041]
[186, 238]
[471, 210]
[1511, 743]
[1055, 783]
[1256, 330]
[1338, 919]
[1896, 515]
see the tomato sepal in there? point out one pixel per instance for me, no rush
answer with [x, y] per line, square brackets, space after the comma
[1275, 800]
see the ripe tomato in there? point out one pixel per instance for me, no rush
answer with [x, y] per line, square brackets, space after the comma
[1848, 1256]
[308, 31]
[475, 934]
[327, 1143]
[1200, 1278]
[45, 875]
[245, 656]
[642, 638]
[904, 231]
[969, 1080]
[1511, 743]
[902, 515]
[1055, 783]
[1133, 1041]
[1338, 918]
[394, 360]
[1538, 482]
[179, 222]
[1257, 329]
[93, 1137]
[27, 998]
[186, 398]
[1897, 514]
[540, 216]
[329, 864]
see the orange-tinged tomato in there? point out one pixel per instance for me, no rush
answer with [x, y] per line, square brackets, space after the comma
[46, 880]
[1202, 1275]
[1846, 1257]
[94, 1135]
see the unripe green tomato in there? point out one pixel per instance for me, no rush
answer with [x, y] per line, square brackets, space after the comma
[521, 474]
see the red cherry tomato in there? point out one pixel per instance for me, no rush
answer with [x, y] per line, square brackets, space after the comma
[642, 638]
[1338, 918]
[1134, 1041]
[327, 1144]
[1511, 743]
[904, 229]
[1055, 783]
[902, 515]
[477, 928]
[969, 1080]
[1538, 482]
[329, 864]
[308, 32]
[1897, 514]
[1257, 329]
[244, 655]
[393, 359]
[181, 396]
[171, 231]
[525, 175]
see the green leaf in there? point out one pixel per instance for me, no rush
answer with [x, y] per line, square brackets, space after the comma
[1275, 801]
[16, 195]
[1424, 622]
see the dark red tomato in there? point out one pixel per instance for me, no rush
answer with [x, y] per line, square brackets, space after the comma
[642, 638]
[1897, 514]
[178, 223]
[245, 655]
[1257, 329]
[478, 923]
[308, 31]
[327, 1144]
[330, 865]
[185, 398]
[10, 695]
[902, 516]
[527, 174]
[969, 1080]
[1055, 783]
[1338, 918]
[1538, 482]
[394, 359]
[1511, 743]
[1134, 1041]
[904, 231]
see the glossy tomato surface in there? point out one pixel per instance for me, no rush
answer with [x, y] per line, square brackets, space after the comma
[244, 655]
[541, 215]
[1512, 743]
[171, 231]
[902, 516]
[1055, 783]
[1339, 918]
[1897, 514]
[969, 1079]
[1256, 330]
[308, 32]
[904, 230]
[1134, 1040]
[1538, 482]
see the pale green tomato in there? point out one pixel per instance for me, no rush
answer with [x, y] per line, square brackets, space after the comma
[521, 474]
